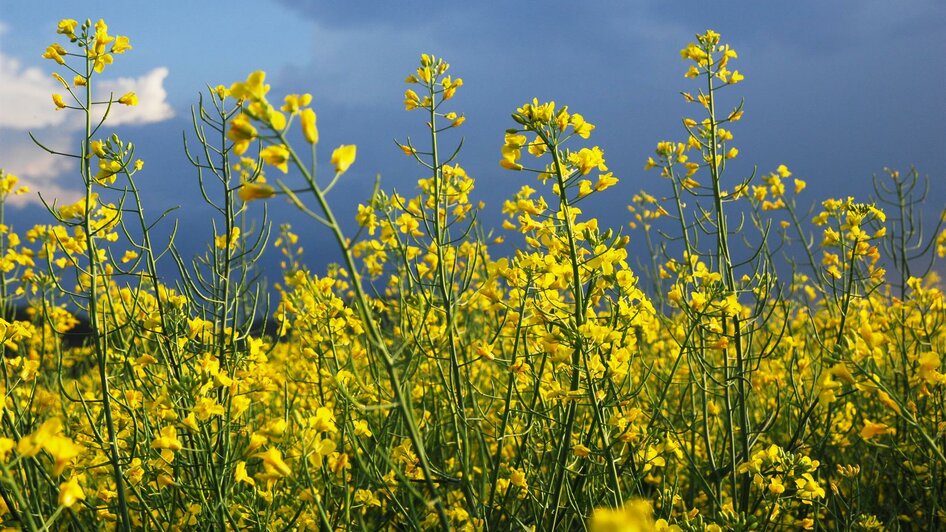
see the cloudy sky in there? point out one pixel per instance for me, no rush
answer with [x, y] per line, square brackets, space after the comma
[835, 90]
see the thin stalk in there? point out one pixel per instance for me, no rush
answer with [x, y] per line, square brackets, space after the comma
[725, 265]
[445, 286]
[100, 339]
[578, 354]
[375, 336]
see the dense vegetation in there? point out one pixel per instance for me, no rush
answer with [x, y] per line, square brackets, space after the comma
[782, 371]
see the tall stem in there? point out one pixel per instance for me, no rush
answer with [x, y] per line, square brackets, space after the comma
[100, 338]
[578, 354]
[445, 286]
[726, 269]
[402, 400]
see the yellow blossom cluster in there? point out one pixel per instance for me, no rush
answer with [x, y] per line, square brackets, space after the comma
[434, 379]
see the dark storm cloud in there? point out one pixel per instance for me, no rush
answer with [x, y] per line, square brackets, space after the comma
[835, 90]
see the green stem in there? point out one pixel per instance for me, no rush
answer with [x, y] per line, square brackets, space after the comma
[578, 354]
[100, 339]
[725, 265]
[445, 286]
[375, 336]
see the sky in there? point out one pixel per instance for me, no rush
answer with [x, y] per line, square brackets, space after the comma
[837, 91]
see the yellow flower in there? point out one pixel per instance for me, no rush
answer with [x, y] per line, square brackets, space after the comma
[928, 370]
[208, 407]
[102, 38]
[537, 147]
[190, 421]
[343, 157]
[222, 92]
[225, 241]
[295, 102]
[107, 171]
[239, 475]
[130, 99]
[366, 217]
[269, 115]
[67, 27]
[63, 451]
[275, 429]
[309, 129]
[240, 403]
[70, 492]
[273, 464]
[7, 445]
[518, 478]
[693, 53]
[253, 89]
[321, 449]
[808, 488]
[587, 160]
[362, 429]
[584, 188]
[367, 498]
[324, 420]
[411, 100]
[605, 181]
[255, 191]
[582, 128]
[800, 185]
[256, 441]
[512, 151]
[450, 87]
[241, 133]
[60, 79]
[636, 516]
[97, 147]
[60, 104]
[276, 155]
[121, 45]
[407, 224]
[872, 429]
[55, 52]
[101, 61]
[167, 439]
[32, 444]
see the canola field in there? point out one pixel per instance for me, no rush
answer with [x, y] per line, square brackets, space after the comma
[777, 366]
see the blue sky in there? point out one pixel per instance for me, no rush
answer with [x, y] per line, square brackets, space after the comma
[835, 90]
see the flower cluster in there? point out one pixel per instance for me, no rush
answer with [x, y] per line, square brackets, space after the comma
[431, 380]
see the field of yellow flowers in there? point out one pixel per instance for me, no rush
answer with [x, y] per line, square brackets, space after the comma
[425, 383]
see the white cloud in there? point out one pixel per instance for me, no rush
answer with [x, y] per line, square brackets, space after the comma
[152, 98]
[41, 172]
[25, 94]
[26, 105]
